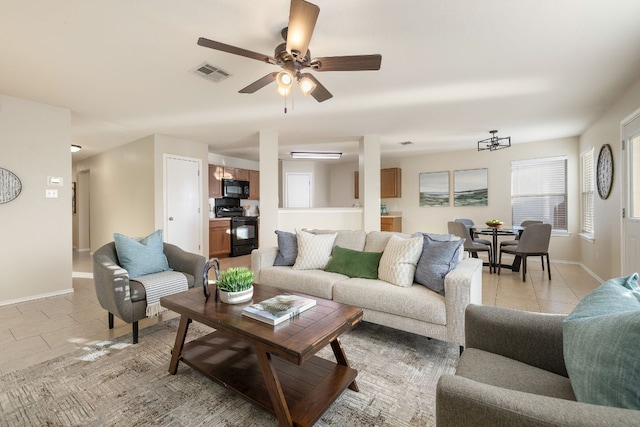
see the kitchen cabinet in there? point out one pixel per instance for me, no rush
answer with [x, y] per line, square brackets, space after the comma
[254, 185]
[219, 238]
[215, 181]
[391, 223]
[236, 173]
[390, 183]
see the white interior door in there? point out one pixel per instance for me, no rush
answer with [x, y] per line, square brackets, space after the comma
[631, 196]
[183, 218]
[298, 190]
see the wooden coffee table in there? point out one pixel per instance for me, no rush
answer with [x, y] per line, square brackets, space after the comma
[274, 367]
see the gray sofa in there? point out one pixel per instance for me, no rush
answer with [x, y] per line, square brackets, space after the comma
[126, 298]
[414, 309]
[512, 373]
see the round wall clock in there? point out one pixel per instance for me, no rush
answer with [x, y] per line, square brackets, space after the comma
[10, 186]
[604, 171]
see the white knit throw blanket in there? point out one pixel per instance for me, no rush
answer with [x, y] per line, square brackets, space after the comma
[158, 285]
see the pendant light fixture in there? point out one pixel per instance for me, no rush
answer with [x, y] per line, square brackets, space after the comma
[494, 143]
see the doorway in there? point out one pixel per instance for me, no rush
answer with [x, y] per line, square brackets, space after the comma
[631, 194]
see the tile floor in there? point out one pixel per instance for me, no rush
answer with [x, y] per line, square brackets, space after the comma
[36, 331]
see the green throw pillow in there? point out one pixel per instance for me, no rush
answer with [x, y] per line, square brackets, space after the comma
[354, 263]
[601, 345]
[141, 256]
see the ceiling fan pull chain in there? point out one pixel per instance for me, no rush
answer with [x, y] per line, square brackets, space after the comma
[285, 104]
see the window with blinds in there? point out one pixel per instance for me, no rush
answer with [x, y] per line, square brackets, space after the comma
[539, 191]
[587, 193]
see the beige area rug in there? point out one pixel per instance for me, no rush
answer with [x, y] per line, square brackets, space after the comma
[119, 384]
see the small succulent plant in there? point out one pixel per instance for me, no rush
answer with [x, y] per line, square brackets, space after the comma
[236, 279]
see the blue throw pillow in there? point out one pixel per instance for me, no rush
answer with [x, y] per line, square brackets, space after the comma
[601, 343]
[141, 256]
[287, 248]
[437, 260]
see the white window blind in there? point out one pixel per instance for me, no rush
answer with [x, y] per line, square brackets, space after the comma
[587, 191]
[539, 191]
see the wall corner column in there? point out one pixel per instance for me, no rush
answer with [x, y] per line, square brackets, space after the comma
[369, 166]
[268, 142]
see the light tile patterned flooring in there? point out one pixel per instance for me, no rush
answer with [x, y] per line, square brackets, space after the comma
[40, 330]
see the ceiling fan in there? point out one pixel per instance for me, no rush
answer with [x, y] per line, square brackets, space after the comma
[294, 56]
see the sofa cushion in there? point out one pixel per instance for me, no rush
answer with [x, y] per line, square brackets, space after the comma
[141, 256]
[399, 260]
[314, 250]
[287, 248]
[601, 344]
[318, 283]
[354, 263]
[349, 239]
[415, 302]
[377, 240]
[438, 258]
[500, 371]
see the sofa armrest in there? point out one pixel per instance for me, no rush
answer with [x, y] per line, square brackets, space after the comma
[112, 285]
[531, 338]
[464, 402]
[185, 262]
[262, 258]
[462, 286]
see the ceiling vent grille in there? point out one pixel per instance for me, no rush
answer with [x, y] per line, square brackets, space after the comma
[210, 72]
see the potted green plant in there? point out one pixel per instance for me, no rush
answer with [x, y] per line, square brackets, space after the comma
[236, 285]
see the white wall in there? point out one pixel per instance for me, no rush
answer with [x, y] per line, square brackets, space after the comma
[36, 232]
[341, 184]
[603, 256]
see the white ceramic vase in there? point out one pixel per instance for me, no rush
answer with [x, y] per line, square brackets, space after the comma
[236, 297]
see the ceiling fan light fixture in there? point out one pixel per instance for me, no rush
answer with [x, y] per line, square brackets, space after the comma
[315, 155]
[306, 84]
[284, 79]
[283, 91]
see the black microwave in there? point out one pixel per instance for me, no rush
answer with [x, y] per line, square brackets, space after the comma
[235, 188]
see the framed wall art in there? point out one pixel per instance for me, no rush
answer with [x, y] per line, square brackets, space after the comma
[434, 189]
[470, 187]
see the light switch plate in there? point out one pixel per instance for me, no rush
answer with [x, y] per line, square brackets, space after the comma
[51, 194]
[54, 180]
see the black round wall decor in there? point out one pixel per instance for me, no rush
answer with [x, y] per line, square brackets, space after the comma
[10, 186]
[604, 171]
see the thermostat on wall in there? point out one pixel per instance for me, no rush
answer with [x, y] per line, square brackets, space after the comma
[54, 180]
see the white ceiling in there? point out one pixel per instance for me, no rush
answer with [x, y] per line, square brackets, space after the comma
[451, 70]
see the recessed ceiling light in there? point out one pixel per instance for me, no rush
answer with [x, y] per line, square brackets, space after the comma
[75, 148]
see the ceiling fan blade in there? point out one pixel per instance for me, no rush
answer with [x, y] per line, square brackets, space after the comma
[347, 63]
[320, 93]
[259, 84]
[235, 50]
[302, 20]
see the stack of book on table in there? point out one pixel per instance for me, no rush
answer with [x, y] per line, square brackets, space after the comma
[278, 309]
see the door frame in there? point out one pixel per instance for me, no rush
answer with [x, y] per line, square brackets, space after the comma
[625, 160]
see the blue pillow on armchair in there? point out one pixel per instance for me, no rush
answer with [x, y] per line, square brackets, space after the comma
[141, 256]
[601, 345]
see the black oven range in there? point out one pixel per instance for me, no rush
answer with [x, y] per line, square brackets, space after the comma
[244, 229]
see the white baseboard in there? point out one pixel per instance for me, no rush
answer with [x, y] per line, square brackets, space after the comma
[37, 297]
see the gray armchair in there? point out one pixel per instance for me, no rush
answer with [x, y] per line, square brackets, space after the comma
[512, 373]
[126, 298]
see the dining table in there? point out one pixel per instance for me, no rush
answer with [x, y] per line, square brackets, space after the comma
[512, 232]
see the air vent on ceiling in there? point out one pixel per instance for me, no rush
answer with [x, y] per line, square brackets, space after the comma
[210, 72]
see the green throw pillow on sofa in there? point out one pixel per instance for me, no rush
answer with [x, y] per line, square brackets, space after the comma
[141, 256]
[354, 263]
[601, 345]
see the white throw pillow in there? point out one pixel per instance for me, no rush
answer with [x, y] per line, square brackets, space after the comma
[399, 260]
[314, 250]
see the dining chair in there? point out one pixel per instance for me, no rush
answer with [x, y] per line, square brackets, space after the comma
[533, 242]
[470, 224]
[459, 229]
[523, 224]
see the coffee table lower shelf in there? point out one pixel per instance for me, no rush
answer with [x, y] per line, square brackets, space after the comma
[309, 389]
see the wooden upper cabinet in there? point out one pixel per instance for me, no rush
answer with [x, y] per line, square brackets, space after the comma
[254, 185]
[390, 183]
[236, 173]
[215, 181]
